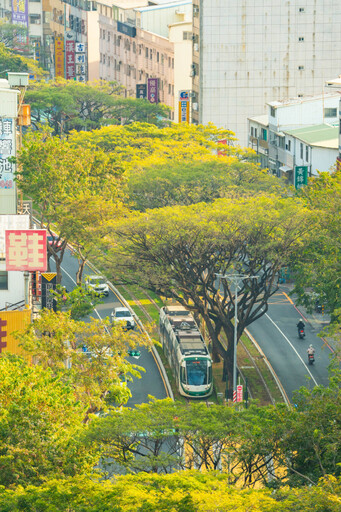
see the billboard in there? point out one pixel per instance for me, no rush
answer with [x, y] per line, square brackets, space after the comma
[70, 71]
[141, 91]
[152, 93]
[10, 322]
[59, 56]
[184, 106]
[7, 149]
[26, 249]
[20, 12]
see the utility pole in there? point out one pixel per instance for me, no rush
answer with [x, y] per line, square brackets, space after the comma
[236, 280]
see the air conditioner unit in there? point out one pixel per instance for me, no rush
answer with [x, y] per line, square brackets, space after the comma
[196, 47]
[195, 106]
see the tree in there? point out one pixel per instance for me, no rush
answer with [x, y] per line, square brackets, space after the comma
[40, 426]
[179, 251]
[10, 61]
[79, 302]
[190, 182]
[317, 268]
[11, 35]
[89, 356]
[76, 192]
[67, 105]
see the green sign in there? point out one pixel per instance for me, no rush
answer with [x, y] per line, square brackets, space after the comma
[301, 176]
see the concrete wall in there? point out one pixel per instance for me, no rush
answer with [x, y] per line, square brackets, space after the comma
[252, 52]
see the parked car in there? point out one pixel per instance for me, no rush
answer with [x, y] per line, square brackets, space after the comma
[123, 315]
[98, 284]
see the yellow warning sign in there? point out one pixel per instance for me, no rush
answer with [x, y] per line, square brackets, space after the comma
[49, 275]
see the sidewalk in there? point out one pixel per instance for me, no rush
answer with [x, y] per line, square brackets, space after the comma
[317, 321]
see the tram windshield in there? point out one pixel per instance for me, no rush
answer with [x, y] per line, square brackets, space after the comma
[197, 372]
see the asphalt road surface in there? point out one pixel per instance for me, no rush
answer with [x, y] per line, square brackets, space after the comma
[276, 333]
[151, 382]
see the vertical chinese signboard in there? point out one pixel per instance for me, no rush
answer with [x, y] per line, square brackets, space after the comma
[141, 91]
[152, 90]
[26, 249]
[80, 62]
[7, 149]
[20, 12]
[301, 176]
[59, 56]
[48, 284]
[183, 106]
[70, 71]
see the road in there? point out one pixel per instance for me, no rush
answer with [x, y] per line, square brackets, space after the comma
[276, 333]
[151, 382]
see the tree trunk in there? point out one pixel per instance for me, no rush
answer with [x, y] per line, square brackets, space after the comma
[79, 275]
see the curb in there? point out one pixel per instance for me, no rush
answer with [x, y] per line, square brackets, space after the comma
[271, 370]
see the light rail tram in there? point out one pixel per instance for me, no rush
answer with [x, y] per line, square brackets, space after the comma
[186, 352]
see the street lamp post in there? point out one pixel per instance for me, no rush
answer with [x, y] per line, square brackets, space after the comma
[236, 279]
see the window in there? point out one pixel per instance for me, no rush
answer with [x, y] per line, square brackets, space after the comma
[301, 150]
[101, 58]
[147, 53]
[35, 19]
[301, 9]
[300, 68]
[195, 11]
[157, 57]
[330, 112]
[169, 88]
[251, 131]
[264, 134]
[256, 133]
[173, 92]
[151, 54]
[307, 153]
[108, 36]
[3, 280]
[301, 39]
[187, 36]
[172, 63]
[289, 145]
[103, 34]
[134, 47]
[272, 112]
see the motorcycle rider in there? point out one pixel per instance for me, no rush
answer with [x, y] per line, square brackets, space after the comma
[300, 325]
[311, 350]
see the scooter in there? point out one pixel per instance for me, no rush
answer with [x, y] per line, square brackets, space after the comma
[311, 358]
[301, 334]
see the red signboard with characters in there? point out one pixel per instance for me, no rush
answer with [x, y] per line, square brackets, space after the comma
[26, 249]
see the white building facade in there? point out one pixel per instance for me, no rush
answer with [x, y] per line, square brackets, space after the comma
[269, 136]
[247, 53]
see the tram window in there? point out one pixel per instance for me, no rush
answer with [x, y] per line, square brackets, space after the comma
[183, 375]
[196, 372]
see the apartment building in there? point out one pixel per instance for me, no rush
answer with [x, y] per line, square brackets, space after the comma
[298, 132]
[141, 40]
[247, 53]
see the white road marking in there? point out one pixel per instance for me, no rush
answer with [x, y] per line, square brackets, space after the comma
[292, 346]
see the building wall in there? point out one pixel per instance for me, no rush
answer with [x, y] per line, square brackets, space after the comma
[132, 59]
[254, 52]
[157, 19]
[182, 60]
[304, 113]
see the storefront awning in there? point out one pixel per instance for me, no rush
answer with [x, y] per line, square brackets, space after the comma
[285, 168]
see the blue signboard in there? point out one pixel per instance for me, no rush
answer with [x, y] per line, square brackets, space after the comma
[126, 29]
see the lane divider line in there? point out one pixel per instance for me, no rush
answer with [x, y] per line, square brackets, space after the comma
[292, 346]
